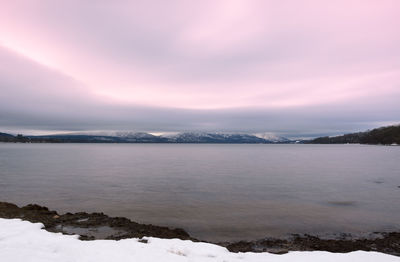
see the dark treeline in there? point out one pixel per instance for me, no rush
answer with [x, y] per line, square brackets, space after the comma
[383, 135]
[24, 139]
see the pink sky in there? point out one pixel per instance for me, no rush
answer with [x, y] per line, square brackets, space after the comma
[205, 55]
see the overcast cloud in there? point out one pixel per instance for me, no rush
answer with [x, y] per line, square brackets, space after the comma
[295, 68]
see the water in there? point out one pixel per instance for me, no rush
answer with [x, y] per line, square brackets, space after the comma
[215, 192]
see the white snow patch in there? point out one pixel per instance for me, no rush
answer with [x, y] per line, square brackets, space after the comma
[25, 241]
[271, 137]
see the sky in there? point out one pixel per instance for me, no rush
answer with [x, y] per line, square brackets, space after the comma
[294, 68]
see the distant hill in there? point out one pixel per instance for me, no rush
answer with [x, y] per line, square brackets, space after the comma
[100, 139]
[4, 137]
[130, 137]
[384, 135]
[216, 138]
[273, 138]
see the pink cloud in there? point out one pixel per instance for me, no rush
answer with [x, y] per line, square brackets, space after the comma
[214, 54]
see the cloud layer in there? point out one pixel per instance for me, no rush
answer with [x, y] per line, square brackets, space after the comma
[292, 67]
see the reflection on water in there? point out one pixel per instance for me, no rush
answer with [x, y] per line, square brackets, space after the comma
[215, 192]
[342, 203]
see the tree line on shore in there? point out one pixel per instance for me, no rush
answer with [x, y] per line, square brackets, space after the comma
[384, 135]
[24, 139]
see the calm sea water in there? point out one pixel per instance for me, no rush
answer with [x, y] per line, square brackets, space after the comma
[215, 192]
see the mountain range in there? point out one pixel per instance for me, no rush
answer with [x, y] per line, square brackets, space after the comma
[132, 137]
[384, 135]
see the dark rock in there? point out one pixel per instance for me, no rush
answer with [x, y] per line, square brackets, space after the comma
[35, 207]
[91, 224]
[100, 226]
[143, 241]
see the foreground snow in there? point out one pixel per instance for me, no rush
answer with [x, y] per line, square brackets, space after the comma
[25, 241]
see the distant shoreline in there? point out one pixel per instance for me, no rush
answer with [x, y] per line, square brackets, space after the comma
[389, 135]
[193, 143]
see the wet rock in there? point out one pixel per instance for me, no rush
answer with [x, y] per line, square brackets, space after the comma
[89, 226]
[35, 207]
[384, 242]
[143, 241]
[241, 246]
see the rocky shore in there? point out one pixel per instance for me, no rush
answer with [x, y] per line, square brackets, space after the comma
[100, 226]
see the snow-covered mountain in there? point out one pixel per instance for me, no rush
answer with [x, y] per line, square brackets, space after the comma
[134, 135]
[142, 137]
[272, 137]
[203, 137]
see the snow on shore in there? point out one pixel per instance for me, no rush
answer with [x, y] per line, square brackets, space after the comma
[26, 241]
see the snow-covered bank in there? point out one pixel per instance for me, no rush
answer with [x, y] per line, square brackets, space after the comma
[26, 241]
